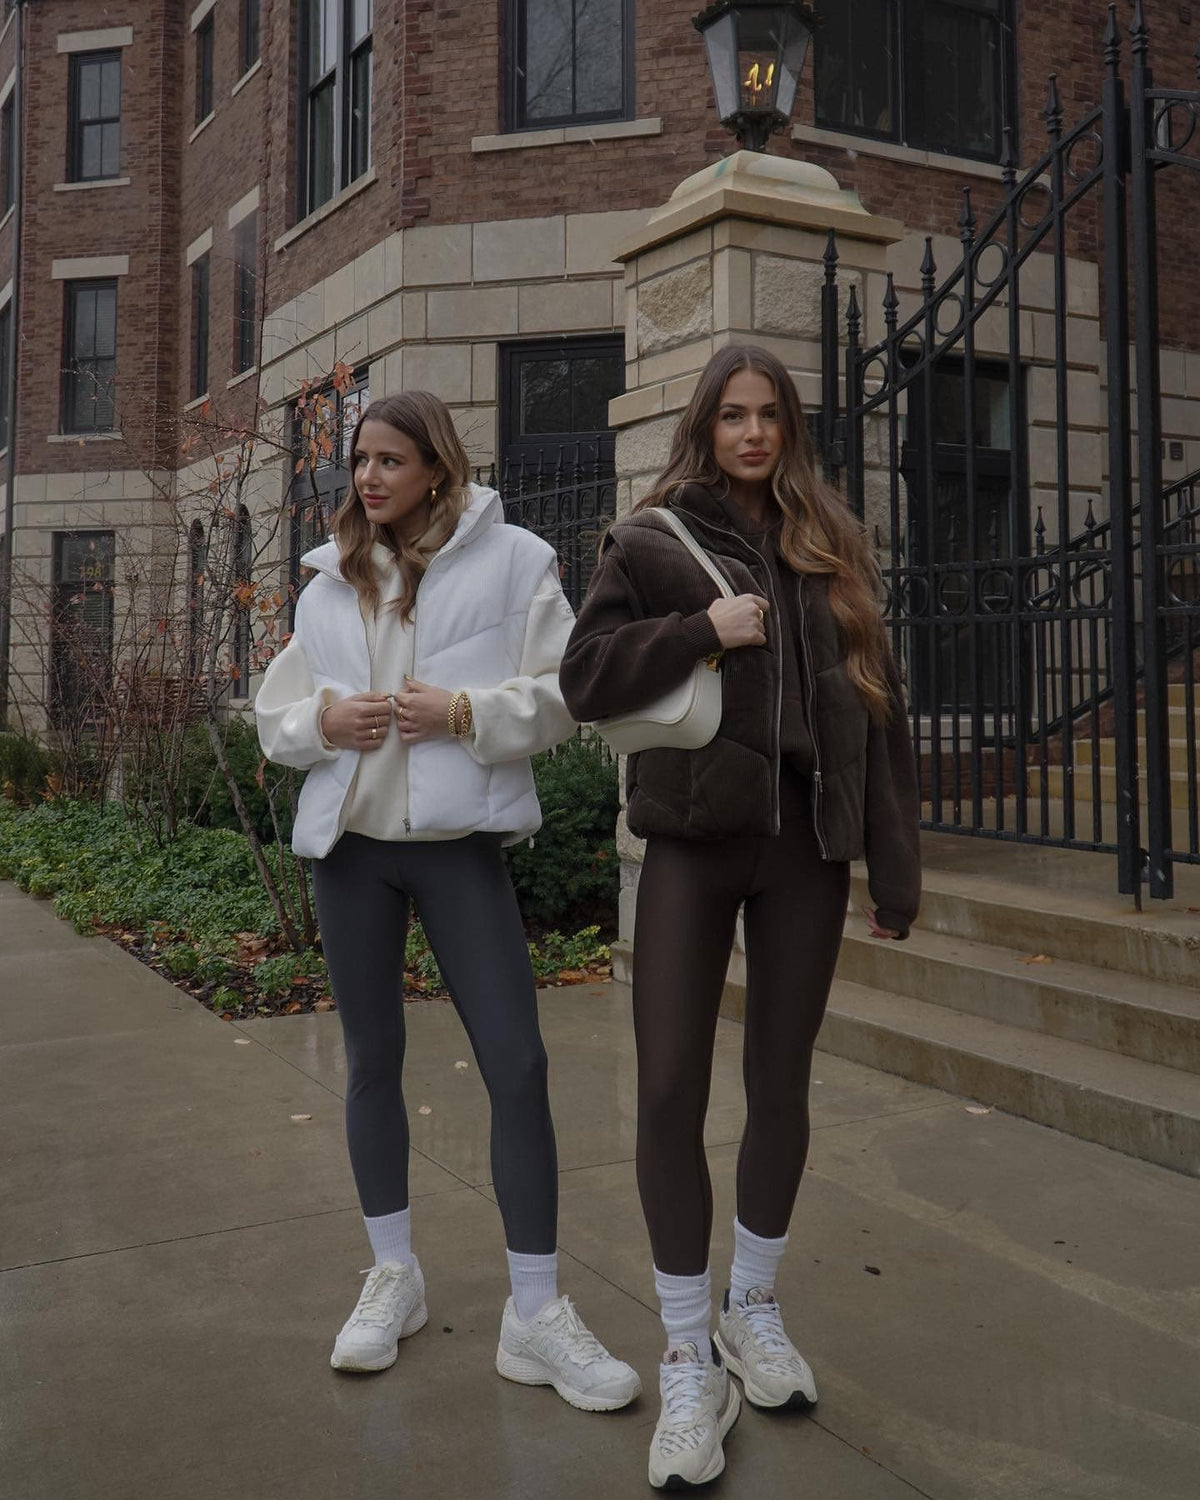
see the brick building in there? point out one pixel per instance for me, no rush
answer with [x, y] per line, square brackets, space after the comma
[220, 201]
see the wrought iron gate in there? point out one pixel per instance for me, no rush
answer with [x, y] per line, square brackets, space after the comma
[1052, 656]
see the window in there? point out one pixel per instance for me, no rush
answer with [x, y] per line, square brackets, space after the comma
[8, 146]
[95, 117]
[249, 34]
[243, 568]
[335, 86]
[197, 568]
[245, 341]
[81, 629]
[5, 372]
[89, 356]
[570, 62]
[320, 492]
[942, 79]
[200, 287]
[204, 68]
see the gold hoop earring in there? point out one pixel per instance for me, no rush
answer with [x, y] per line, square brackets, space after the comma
[433, 494]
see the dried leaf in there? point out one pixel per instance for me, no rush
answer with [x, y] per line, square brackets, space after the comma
[324, 1005]
[425, 1110]
[573, 976]
[1037, 958]
[462, 1066]
[298, 1119]
[873, 1270]
[978, 1109]
[241, 1041]
[293, 1007]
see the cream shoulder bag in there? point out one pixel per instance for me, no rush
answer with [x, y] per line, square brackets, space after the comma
[688, 716]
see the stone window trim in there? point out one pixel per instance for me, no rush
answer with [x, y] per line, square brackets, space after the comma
[6, 294]
[203, 125]
[12, 208]
[255, 67]
[89, 267]
[95, 41]
[817, 135]
[202, 10]
[201, 245]
[7, 87]
[84, 437]
[197, 402]
[327, 208]
[85, 187]
[567, 135]
[242, 378]
[243, 208]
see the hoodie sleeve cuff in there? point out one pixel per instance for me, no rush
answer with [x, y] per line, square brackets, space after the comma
[701, 634]
[894, 922]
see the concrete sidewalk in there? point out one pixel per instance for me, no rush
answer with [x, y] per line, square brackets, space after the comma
[992, 1310]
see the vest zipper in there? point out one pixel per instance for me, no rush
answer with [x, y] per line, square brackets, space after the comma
[811, 686]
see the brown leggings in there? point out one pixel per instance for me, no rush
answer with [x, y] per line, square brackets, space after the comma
[688, 899]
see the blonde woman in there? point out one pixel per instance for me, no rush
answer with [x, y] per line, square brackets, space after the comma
[811, 766]
[421, 677]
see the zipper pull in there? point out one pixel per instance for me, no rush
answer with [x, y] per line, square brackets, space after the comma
[407, 826]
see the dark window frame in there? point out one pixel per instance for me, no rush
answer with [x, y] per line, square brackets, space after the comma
[249, 40]
[908, 19]
[243, 568]
[519, 352]
[73, 369]
[197, 565]
[70, 699]
[205, 51]
[516, 117]
[310, 517]
[8, 144]
[348, 163]
[76, 125]
[6, 313]
[245, 294]
[201, 305]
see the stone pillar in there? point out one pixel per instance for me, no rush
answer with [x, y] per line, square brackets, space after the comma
[735, 256]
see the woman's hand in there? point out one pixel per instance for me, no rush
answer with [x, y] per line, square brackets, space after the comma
[357, 723]
[422, 712]
[873, 924]
[739, 621]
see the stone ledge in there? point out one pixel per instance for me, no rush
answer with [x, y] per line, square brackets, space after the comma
[566, 135]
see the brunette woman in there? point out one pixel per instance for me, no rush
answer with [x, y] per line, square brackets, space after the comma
[422, 675]
[811, 767]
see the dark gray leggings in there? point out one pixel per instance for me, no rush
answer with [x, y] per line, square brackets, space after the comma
[462, 892]
[688, 900]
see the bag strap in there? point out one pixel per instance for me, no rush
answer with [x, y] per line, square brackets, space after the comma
[697, 551]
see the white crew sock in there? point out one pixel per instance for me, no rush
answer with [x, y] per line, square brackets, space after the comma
[390, 1238]
[755, 1262]
[686, 1303]
[534, 1281]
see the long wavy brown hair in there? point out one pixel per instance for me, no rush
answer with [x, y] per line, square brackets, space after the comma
[427, 421]
[818, 533]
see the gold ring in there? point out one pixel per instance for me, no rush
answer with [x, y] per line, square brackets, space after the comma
[374, 734]
[403, 711]
[761, 617]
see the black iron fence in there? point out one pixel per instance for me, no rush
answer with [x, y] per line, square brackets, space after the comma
[1049, 624]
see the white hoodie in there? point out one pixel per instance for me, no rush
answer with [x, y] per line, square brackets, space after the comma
[491, 618]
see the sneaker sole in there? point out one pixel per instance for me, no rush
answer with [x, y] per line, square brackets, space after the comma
[415, 1321]
[760, 1400]
[530, 1372]
[725, 1425]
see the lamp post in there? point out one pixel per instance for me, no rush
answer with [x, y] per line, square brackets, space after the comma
[756, 51]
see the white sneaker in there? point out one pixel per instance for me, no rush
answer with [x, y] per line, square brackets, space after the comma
[391, 1307]
[699, 1405]
[555, 1348]
[750, 1335]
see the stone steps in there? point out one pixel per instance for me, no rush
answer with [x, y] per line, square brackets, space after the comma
[1140, 1108]
[1100, 1037]
[1082, 751]
[1181, 783]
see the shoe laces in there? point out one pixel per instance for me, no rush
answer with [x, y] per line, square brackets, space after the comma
[581, 1343]
[683, 1388]
[765, 1322]
[376, 1305]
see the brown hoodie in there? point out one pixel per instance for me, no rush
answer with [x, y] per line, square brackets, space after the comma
[642, 628]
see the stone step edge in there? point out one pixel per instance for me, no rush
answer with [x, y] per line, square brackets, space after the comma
[1163, 946]
[1142, 1109]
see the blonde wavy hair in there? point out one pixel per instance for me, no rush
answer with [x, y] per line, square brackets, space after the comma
[819, 534]
[425, 419]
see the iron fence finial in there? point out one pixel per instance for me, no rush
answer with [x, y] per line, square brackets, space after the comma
[1054, 108]
[928, 269]
[831, 256]
[966, 219]
[1008, 158]
[1139, 32]
[891, 303]
[1112, 40]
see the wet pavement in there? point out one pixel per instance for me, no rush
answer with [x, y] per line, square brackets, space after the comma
[993, 1310]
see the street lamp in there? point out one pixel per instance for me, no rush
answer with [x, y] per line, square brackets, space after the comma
[756, 51]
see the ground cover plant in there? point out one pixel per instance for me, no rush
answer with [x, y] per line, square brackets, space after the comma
[194, 908]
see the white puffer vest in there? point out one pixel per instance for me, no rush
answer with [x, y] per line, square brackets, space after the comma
[470, 627]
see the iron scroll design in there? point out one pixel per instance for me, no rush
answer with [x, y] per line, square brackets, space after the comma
[978, 445]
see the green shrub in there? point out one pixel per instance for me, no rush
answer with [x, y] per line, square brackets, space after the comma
[26, 769]
[571, 875]
[273, 976]
[556, 952]
[225, 999]
[205, 796]
[181, 960]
